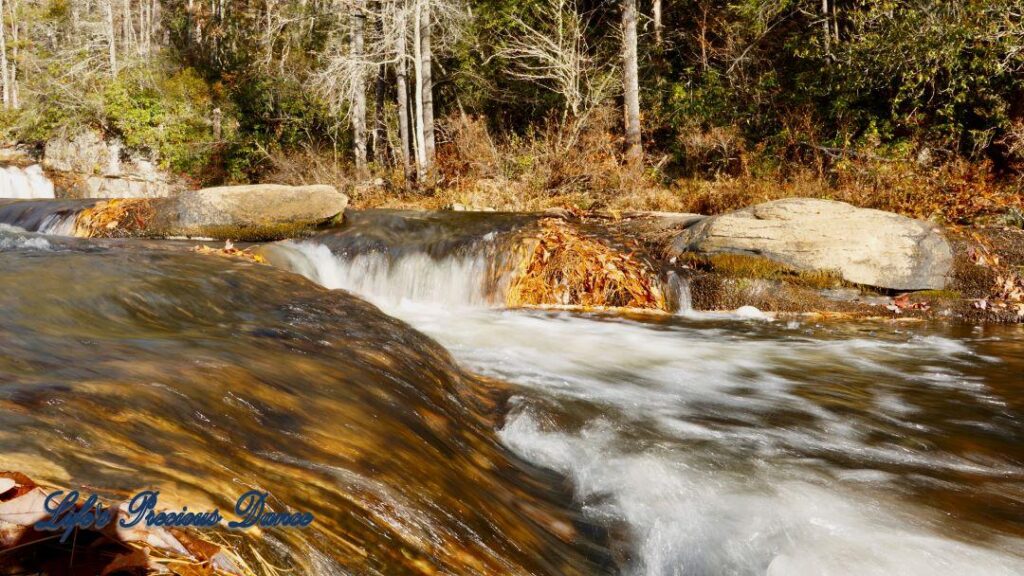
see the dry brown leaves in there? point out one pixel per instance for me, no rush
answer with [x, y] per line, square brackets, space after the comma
[230, 251]
[568, 268]
[903, 302]
[1008, 291]
[110, 550]
[113, 218]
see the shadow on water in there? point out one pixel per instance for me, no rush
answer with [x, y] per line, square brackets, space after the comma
[142, 368]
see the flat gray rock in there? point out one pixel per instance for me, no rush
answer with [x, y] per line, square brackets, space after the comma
[869, 247]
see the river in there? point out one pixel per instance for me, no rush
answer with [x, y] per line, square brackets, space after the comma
[522, 441]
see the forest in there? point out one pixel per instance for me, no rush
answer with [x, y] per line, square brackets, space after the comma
[693, 105]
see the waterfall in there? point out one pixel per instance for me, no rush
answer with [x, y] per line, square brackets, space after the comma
[460, 260]
[28, 182]
[476, 276]
[455, 280]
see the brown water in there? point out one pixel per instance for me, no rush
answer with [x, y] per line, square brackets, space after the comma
[692, 444]
[131, 367]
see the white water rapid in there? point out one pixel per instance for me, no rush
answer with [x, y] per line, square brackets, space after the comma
[712, 444]
[27, 182]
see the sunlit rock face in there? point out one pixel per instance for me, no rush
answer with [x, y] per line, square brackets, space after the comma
[869, 247]
[144, 367]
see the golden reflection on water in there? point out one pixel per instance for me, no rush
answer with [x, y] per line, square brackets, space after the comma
[203, 378]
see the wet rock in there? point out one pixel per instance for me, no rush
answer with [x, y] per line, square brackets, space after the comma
[868, 247]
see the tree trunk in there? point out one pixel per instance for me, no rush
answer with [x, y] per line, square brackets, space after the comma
[631, 83]
[15, 96]
[657, 22]
[127, 28]
[401, 72]
[108, 6]
[216, 121]
[359, 89]
[4, 78]
[428, 86]
[825, 26]
[380, 148]
[417, 36]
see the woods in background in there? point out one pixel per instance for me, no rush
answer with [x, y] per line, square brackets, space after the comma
[230, 90]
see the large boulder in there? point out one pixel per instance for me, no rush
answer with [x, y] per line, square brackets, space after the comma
[869, 247]
[263, 211]
[248, 213]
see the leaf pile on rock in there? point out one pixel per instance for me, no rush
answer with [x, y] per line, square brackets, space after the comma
[111, 550]
[566, 267]
[113, 218]
[230, 251]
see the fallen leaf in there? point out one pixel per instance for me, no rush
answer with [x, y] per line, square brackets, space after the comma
[135, 562]
[25, 509]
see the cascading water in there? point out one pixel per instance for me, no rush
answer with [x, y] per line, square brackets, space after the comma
[27, 182]
[136, 366]
[707, 444]
[450, 260]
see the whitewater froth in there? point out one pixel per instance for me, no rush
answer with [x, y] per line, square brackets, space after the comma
[707, 444]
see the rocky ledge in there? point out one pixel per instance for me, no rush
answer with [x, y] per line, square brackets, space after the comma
[245, 213]
[867, 247]
[807, 256]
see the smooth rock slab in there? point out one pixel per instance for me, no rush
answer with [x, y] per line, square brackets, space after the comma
[258, 210]
[248, 213]
[869, 247]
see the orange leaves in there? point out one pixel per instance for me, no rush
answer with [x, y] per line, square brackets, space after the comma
[113, 218]
[567, 268]
[1007, 293]
[230, 251]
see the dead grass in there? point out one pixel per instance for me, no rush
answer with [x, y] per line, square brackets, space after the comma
[113, 218]
[755, 267]
[545, 169]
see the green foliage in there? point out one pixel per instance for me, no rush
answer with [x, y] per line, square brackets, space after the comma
[168, 116]
[738, 86]
[891, 76]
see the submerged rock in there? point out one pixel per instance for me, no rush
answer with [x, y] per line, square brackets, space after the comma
[868, 247]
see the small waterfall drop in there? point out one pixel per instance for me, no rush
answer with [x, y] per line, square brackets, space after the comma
[27, 182]
[456, 280]
[460, 261]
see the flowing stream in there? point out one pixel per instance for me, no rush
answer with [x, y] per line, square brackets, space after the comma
[709, 444]
[506, 441]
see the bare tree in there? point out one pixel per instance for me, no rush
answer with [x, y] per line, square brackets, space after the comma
[658, 25]
[554, 54]
[380, 141]
[359, 85]
[421, 145]
[108, 6]
[127, 28]
[4, 78]
[401, 81]
[826, 29]
[12, 7]
[631, 83]
[427, 58]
